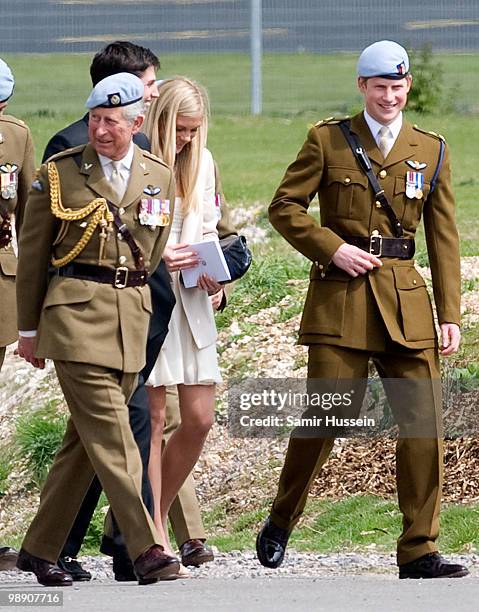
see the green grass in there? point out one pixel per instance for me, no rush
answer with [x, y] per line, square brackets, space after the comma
[353, 523]
[265, 284]
[253, 152]
[37, 438]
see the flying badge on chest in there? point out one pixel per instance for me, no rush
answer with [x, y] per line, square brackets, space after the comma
[414, 185]
[154, 212]
[151, 190]
[8, 181]
[416, 165]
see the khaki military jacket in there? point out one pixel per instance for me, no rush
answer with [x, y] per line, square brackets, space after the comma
[79, 320]
[16, 158]
[343, 310]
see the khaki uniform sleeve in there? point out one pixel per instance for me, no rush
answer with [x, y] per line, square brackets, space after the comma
[443, 246]
[39, 229]
[288, 212]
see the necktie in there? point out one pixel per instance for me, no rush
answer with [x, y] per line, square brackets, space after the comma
[385, 140]
[116, 179]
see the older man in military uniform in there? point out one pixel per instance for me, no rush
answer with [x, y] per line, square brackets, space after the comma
[99, 213]
[17, 167]
[366, 301]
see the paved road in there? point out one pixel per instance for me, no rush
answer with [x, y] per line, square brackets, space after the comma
[223, 25]
[357, 594]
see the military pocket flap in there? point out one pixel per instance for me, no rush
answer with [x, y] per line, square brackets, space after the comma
[346, 176]
[8, 264]
[407, 278]
[69, 291]
[146, 299]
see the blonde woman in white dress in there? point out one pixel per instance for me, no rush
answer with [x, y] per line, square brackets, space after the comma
[176, 125]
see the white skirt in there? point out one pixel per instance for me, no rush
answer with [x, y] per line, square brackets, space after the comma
[180, 361]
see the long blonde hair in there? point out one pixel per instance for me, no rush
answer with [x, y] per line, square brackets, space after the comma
[179, 96]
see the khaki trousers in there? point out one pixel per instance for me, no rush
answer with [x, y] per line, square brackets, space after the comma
[98, 440]
[419, 470]
[185, 514]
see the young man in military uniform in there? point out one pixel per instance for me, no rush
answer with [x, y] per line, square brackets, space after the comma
[17, 167]
[366, 301]
[98, 214]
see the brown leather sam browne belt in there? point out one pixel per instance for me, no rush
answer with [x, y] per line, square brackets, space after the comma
[119, 278]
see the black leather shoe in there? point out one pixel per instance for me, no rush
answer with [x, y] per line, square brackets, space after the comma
[271, 544]
[47, 573]
[432, 565]
[74, 568]
[195, 552]
[8, 558]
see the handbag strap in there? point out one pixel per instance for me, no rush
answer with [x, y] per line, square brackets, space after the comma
[364, 163]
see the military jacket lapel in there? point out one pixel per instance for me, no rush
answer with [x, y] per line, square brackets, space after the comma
[404, 147]
[361, 128]
[136, 184]
[91, 167]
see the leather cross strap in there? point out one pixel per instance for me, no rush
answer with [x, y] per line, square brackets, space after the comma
[127, 237]
[364, 163]
[117, 277]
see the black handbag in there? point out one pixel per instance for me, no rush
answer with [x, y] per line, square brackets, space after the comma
[237, 254]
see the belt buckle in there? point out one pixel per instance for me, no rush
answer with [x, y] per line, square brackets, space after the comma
[117, 282]
[376, 242]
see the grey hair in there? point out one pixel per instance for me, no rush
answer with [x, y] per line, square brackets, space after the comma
[131, 112]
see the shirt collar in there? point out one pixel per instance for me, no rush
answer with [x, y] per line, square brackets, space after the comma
[126, 161]
[375, 126]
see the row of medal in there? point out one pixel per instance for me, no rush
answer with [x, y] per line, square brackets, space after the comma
[154, 212]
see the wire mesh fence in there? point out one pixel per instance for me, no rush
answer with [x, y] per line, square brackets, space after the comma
[310, 47]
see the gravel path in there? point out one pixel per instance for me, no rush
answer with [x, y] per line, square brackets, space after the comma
[236, 565]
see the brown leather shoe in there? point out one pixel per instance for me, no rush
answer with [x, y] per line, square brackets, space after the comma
[47, 573]
[154, 564]
[195, 552]
[8, 558]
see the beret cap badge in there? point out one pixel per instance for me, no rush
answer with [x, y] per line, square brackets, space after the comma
[114, 99]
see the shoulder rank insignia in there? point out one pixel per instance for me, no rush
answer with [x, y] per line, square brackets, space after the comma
[434, 134]
[416, 165]
[151, 190]
[330, 120]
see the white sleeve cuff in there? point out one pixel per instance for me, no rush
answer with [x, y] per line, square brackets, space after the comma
[28, 334]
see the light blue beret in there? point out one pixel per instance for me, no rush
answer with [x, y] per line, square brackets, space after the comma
[119, 89]
[7, 82]
[384, 59]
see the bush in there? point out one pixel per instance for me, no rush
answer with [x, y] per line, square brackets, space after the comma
[428, 81]
[38, 437]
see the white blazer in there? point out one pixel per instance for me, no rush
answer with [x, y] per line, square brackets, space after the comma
[200, 225]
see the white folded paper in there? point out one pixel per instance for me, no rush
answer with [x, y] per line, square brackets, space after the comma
[212, 262]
